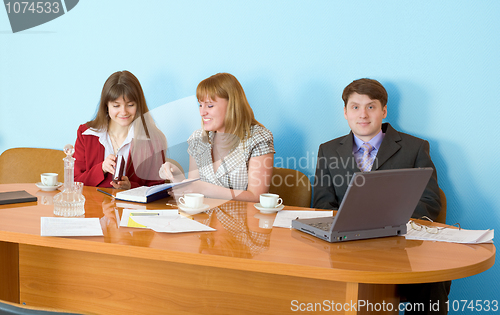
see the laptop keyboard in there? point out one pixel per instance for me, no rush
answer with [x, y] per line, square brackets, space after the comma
[325, 226]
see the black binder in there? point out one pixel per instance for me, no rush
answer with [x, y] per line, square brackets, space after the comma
[16, 197]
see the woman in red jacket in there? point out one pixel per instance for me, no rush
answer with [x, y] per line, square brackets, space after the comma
[122, 127]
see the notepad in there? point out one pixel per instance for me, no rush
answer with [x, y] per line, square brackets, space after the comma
[20, 196]
[145, 194]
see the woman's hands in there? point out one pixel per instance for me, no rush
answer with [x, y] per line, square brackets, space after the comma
[108, 166]
[171, 172]
[181, 190]
[124, 183]
[109, 163]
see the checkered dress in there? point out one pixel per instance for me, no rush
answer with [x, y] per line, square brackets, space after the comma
[233, 171]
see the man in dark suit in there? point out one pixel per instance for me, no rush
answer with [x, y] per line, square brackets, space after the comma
[370, 146]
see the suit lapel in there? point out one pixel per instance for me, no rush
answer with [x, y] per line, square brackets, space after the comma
[388, 147]
[347, 160]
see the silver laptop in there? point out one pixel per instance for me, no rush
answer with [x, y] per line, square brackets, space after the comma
[376, 204]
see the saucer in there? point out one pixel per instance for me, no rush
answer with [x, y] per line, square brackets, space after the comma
[48, 188]
[193, 211]
[268, 210]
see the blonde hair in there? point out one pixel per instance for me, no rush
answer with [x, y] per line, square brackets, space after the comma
[239, 115]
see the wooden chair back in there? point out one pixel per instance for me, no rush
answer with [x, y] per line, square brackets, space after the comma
[24, 165]
[293, 187]
[442, 215]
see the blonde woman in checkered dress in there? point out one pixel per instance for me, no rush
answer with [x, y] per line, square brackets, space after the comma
[232, 153]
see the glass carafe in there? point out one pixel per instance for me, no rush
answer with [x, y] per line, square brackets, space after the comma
[70, 202]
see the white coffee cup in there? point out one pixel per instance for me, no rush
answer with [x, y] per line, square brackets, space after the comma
[270, 200]
[193, 201]
[49, 179]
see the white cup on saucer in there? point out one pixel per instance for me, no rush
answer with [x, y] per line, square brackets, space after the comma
[193, 201]
[270, 200]
[49, 179]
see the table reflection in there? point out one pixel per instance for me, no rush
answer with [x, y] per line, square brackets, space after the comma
[46, 197]
[387, 253]
[238, 232]
[110, 222]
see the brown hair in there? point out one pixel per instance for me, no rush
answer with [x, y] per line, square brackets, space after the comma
[126, 85]
[149, 143]
[372, 88]
[239, 115]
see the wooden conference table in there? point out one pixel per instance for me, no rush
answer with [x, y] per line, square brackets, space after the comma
[245, 267]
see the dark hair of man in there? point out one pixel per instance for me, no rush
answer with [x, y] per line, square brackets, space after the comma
[371, 88]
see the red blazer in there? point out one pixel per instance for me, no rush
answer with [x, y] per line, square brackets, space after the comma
[89, 155]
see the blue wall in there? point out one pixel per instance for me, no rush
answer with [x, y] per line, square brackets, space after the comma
[439, 60]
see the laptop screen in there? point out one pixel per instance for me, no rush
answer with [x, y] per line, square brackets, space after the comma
[381, 199]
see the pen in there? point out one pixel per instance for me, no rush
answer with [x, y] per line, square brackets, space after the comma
[107, 193]
[144, 213]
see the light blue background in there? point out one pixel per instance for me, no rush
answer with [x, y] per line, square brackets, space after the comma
[439, 60]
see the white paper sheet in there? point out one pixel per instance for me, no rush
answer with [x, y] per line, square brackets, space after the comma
[451, 235]
[284, 217]
[55, 226]
[135, 213]
[169, 224]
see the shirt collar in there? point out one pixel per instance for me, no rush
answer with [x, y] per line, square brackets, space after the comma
[375, 142]
[104, 136]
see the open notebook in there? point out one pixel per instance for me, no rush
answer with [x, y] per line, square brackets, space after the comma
[145, 194]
